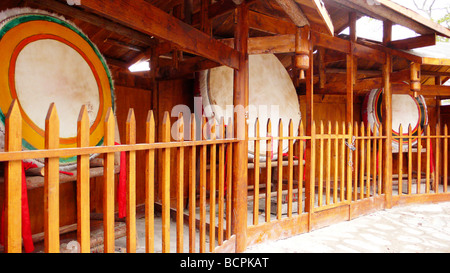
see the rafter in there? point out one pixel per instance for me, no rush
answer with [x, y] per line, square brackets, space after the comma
[143, 17]
[294, 12]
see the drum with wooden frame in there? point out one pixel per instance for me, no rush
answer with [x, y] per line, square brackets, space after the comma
[406, 110]
[47, 59]
[271, 95]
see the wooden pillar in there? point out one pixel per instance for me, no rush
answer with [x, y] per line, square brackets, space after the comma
[415, 84]
[351, 69]
[387, 115]
[240, 101]
[309, 119]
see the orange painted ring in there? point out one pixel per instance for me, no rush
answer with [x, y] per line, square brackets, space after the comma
[21, 31]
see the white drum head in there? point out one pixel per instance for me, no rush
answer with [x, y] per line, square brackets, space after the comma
[271, 95]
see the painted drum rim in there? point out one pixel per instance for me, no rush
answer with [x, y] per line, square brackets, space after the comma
[18, 30]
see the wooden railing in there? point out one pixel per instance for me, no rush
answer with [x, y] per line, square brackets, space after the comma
[332, 175]
[423, 168]
[207, 147]
[343, 177]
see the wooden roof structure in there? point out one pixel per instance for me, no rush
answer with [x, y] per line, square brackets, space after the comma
[127, 32]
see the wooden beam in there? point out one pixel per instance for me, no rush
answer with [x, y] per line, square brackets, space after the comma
[93, 19]
[409, 15]
[292, 9]
[268, 44]
[217, 9]
[269, 24]
[341, 45]
[286, 44]
[141, 16]
[320, 8]
[414, 42]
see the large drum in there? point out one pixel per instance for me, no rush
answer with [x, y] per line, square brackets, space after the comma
[406, 110]
[46, 59]
[271, 95]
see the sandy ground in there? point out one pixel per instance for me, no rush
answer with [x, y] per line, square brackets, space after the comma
[406, 229]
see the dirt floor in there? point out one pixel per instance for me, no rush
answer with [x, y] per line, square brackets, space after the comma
[406, 229]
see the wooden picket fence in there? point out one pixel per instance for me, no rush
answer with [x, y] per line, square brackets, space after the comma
[14, 155]
[334, 174]
[429, 177]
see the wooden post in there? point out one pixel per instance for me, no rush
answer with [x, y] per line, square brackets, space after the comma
[83, 230]
[108, 184]
[51, 183]
[212, 189]
[387, 115]
[180, 183]
[150, 185]
[351, 75]
[301, 58]
[291, 168]
[192, 187]
[240, 99]
[415, 78]
[221, 182]
[280, 169]
[202, 188]
[13, 181]
[256, 170]
[309, 118]
[268, 170]
[131, 185]
[166, 185]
